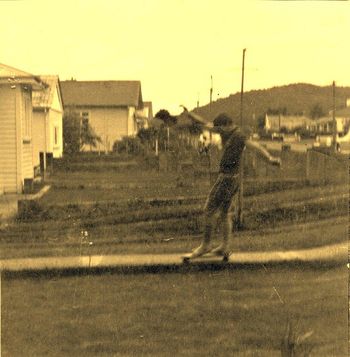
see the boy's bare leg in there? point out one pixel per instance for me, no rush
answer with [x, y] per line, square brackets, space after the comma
[226, 228]
[205, 245]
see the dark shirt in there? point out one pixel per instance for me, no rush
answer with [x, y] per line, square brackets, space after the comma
[232, 153]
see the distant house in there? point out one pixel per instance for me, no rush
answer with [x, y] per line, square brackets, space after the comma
[342, 119]
[274, 123]
[325, 125]
[16, 139]
[47, 123]
[144, 116]
[110, 107]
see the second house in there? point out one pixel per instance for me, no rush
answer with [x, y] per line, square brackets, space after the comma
[110, 107]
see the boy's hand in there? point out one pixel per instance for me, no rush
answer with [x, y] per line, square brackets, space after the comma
[276, 161]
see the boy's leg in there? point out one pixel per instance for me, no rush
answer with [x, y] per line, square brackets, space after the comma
[226, 230]
[211, 206]
[226, 221]
[205, 245]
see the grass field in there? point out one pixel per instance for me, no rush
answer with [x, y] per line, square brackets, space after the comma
[77, 187]
[188, 313]
[89, 187]
[108, 240]
[157, 220]
[209, 313]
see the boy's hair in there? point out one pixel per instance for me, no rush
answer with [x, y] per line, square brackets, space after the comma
[222, 120]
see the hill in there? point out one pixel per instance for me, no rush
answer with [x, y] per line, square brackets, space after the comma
[293, 98]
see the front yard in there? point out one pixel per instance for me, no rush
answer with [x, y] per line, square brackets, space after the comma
[241, 312]
[136, 211]
[211, 313]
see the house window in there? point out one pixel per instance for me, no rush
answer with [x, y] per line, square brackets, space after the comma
[55, 135]
[27, 118]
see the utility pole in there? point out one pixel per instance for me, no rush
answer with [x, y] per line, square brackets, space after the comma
[211, 91]
[240, 194]
[210, 133]
[334, 121]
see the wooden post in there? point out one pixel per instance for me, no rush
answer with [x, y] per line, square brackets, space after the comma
[240, 195]
[307, 169]
[334, 121]
[210, 133]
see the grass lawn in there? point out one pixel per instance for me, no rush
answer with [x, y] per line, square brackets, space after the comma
[208, 313]
[90, 187]
[113, 208]
[77, 187]
[108, 240]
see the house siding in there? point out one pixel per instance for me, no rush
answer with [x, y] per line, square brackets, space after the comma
[55, 119]
[132, 129]
[56, 103]
[27, 141]
[47, 116]
[8, 151]
[110, 124]
[38, 135]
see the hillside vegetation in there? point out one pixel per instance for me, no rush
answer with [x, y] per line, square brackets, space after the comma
[295, 98]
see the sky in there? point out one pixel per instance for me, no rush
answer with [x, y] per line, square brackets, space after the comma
[174, 47]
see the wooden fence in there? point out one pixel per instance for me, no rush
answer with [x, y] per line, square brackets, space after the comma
[310, 165]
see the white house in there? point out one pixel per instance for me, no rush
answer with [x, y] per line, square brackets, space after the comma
[274, 123]
[342, 120]
[16, 139]
[47, 122]
[145, 115]
[342, 117]
[110, 107]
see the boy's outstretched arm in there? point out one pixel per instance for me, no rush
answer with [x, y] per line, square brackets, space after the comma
[253, 145]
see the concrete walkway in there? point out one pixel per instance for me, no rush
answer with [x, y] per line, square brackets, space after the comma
[9, 203]
[335, 254]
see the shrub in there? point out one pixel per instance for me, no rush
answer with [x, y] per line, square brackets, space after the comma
[128, 145]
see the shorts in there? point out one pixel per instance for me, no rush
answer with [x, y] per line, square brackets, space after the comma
[222, 193]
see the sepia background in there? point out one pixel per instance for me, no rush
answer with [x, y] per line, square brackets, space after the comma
[103, 177]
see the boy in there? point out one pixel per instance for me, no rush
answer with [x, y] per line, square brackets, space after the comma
[227, 184]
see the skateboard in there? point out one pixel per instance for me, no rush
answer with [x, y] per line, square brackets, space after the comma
[207, 257]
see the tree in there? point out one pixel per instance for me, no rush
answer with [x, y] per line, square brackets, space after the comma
[128, 145]
[166, 117]
[148, 136]
[195, 128]
[277, 111]
[316, 111]
[77, 134]
[88, 135]
[261, 122]
[71, 132]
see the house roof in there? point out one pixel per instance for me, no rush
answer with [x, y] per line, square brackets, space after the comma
[44, 98]
[102, 93]
[8, 71]
[15, 76]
